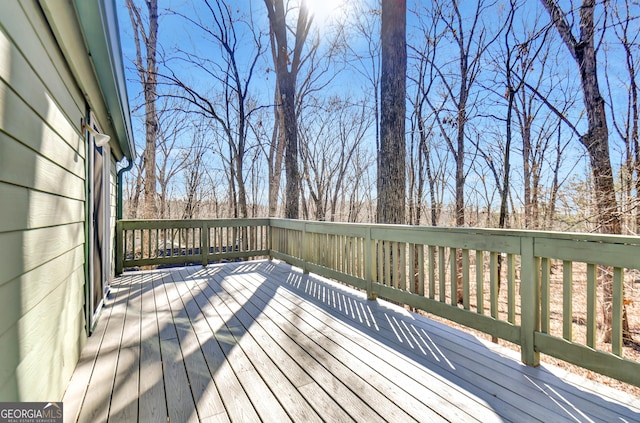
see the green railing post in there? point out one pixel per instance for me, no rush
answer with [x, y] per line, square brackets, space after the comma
[369, 264]
[269, 235]
[204, 243]
[119, 248]
[303, 247]
[530, 301]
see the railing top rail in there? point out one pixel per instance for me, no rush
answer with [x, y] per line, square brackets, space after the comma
[573, 236]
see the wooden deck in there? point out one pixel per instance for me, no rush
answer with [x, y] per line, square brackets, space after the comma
[260, 341]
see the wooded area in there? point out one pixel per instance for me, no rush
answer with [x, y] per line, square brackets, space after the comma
[501, 131]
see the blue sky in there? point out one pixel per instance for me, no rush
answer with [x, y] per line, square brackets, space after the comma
[176, 33]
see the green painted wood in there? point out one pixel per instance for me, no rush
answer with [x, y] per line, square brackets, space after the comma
[480, 281]
[369, 267]
[204, 242]
[413, 271]
[21, 252]
[449, 237]
[387, 264]
[582, 250]
[23, 167]
[36, 53]
[545, 293]
[333, 274]
[604, 363]
[453, 276]
[432, 272]
[592, 318]
[24, 293]
[442, 275]
[44, 209]
[402, 279]
[616, 312]
[530, 307]
[383, 256]
[567, 300]
[511, 288]
[421, 264]
[493, 283]
[40, 135]
[48, 336]
[465, 279]
[498, 328]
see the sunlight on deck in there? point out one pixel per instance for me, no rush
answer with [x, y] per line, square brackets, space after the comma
[260, 341]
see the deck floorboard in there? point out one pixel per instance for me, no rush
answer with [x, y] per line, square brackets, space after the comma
[261, 341]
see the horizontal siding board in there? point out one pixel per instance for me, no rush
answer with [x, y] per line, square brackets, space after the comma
[30, 32]
[43, 209]
[25, 292]
[19, 165]
[20, 122]
[21, 252]
[46, 343]
[27, 88]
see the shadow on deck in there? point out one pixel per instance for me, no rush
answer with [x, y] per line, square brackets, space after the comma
[260, 341]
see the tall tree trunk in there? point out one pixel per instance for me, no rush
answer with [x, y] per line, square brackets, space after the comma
[287, 64]
[276, 154]
[596, 140]
[147, 72]
[392, 154]
[286, 82]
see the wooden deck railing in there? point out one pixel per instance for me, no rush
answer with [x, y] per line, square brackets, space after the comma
[171, 242]
[543, 291]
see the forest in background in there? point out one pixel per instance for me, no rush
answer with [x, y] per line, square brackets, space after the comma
[497, 126]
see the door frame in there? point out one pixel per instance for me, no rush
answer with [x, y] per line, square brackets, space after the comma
[97, 280]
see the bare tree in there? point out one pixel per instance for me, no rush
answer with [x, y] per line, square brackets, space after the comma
[596, 140]
[422, 77]
[330, 139]
[288, 60]
[626, 117]
[230, 105]
[172, 124]
[365, 24]
[145, 35]
[391, 169]
[193, 171]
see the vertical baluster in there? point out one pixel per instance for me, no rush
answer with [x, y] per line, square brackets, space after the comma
[413, 276]
[511, 288]
[381, 264]
[453, 275]
[402, 278]
[591, 305]
[442, 279]
[493, 283]
[545, 288]
[421, 270]
[432, 272]
[148, 231]
[125, 245]
[567, 300]
[616, 318]
[465, 279]
[480, 281]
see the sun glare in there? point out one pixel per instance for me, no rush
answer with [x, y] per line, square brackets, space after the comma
[325, 11]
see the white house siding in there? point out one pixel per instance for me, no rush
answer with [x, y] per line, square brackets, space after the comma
[42, 209]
